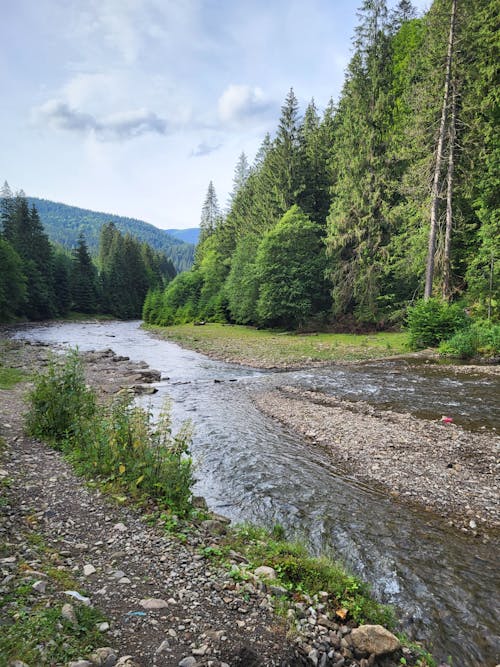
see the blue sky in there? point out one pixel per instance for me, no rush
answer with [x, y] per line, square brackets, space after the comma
[133, 106]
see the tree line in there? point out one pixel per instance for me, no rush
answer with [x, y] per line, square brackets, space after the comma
[389, 195]
[40, 280]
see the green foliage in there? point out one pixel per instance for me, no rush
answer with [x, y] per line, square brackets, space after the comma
[38, 636]
[84, 284]
[242, 285]
[290, 265]
[126, 452]
[301, 573]
[12, 282]
[432, 321]
[117, 444]
[481, 338]
[60, 402]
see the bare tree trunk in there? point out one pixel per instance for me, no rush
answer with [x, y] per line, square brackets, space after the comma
[429, 273]
[449, 200]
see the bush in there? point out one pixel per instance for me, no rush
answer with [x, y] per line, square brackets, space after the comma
[60, 401]
[482, 338]
[432, 321]
[118, 444]
[126, 451]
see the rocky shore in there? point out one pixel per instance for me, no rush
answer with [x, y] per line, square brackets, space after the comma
[164, 601]
[435, 465]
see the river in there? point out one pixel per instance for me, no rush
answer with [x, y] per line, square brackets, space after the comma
[444, 585]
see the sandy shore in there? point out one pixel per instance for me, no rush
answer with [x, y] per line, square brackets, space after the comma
[440, 467]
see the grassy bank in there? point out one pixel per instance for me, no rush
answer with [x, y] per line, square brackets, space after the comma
[267, 348]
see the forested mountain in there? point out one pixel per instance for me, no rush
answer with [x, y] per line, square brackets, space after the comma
[189, 235]
[39, 280]
[389, 195]
[64, 223]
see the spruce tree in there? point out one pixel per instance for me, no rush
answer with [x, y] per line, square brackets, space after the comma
[358, 223]
[84, 290]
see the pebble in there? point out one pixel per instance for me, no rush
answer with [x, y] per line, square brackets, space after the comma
[152, 604]
[88, 570]
[187, 662]
[40, 586]
[68, 613]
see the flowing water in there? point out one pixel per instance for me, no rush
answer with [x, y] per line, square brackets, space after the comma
[443, 584]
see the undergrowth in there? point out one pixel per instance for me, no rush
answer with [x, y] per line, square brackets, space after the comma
[116, 444]
[301, 574]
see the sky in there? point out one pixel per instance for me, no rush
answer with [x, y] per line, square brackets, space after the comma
[133, 106]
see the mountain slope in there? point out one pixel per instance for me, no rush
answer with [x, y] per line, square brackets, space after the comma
[64, 223]
[190, 235]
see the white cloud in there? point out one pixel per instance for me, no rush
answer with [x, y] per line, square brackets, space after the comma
[115, 127]
[243, 102]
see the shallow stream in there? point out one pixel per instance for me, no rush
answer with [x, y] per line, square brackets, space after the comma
[444, 585]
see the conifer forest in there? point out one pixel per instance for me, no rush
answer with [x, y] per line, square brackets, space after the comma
[346, 216]
[389, 195]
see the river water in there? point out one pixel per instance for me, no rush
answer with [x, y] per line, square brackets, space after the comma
[443, 585]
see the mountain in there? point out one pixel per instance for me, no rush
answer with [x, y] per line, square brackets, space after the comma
[64, 223]
[189, 235]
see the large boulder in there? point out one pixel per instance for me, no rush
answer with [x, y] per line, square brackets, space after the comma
[374, 639]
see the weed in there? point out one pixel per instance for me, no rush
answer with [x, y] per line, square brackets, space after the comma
[116, 444]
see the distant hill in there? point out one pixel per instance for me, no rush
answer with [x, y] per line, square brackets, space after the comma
[189, 235]
[64, 223]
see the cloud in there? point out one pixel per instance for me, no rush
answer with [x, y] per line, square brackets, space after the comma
[205, 149]
[116, 127]
[242, 102]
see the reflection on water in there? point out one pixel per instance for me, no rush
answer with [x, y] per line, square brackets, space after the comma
[249, 468]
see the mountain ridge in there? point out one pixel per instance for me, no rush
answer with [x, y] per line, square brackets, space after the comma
[63, 224]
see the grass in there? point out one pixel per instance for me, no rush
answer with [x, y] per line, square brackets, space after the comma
[9, 377]
[115, 444]
[267, 348]
[33, 629]
[302, 575]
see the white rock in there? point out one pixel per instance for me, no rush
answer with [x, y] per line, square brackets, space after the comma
[68, 613]
[40, 586]
[153, 603]
[265, 572]
[187, 662]
[88, 570]
[164, 646]
[120, 527]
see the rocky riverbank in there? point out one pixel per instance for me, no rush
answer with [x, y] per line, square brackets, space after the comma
[435, 465]
[67, 546]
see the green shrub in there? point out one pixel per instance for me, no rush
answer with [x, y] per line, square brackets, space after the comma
[431, 321]
[126, 451]
[60, 402]
[118, 444]
[482, 338]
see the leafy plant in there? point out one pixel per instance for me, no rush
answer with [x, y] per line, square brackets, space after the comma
[117, 444]
[482, 338]
[431, 321]
[60, 402]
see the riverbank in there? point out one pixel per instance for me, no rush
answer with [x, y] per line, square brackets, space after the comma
[269, 349]
[436, 466]
[164, 600]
